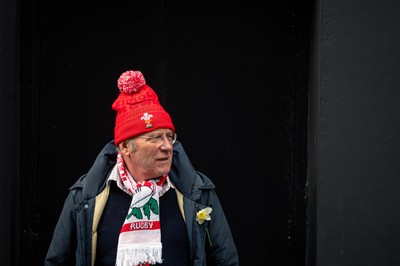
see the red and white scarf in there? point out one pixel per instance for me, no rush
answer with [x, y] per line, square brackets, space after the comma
[140, 236]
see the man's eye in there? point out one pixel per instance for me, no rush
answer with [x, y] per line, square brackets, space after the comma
[155, 139]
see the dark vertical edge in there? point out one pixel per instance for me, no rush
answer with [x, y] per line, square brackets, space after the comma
[297, 223]
[313, 136]
[9, 123]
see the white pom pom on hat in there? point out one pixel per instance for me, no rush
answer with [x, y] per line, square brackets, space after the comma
[131, 81]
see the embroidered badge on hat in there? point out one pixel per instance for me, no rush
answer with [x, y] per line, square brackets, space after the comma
[147, 118]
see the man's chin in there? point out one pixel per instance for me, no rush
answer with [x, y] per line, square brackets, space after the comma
[162, 170]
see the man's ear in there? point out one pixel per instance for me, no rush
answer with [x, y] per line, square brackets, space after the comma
[123, 147]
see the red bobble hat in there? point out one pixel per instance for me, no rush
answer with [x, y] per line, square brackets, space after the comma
[138, 109]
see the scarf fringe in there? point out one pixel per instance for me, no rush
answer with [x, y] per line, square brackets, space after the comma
[129, 255]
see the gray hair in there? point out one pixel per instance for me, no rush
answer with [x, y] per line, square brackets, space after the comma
[130, 144]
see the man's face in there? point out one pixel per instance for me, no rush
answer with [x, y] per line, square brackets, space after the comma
[153, 155]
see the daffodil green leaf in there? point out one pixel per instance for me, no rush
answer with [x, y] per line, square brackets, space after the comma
[153, 205]
[135, 212]
[146, 210]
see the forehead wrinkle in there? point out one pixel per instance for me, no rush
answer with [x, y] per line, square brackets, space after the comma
[158, 131]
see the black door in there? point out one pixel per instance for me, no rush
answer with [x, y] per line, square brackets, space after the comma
[233, 76]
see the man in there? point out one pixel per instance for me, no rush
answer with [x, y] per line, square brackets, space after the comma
[142, 202]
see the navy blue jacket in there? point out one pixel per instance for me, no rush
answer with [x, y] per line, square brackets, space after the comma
[72, 238]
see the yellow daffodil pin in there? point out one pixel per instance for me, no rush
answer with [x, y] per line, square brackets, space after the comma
[203, 214]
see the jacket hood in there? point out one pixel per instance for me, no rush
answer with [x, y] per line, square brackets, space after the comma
[184, 177]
